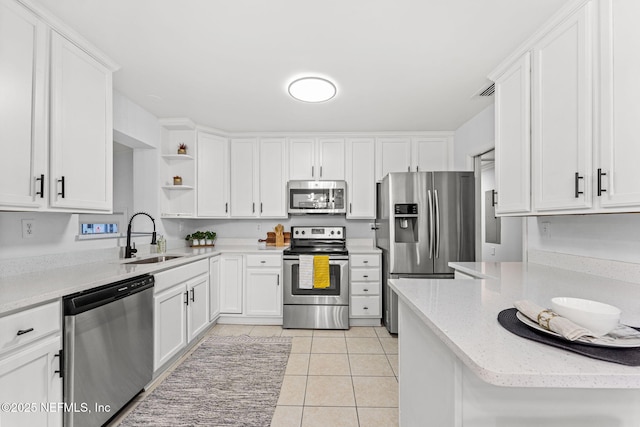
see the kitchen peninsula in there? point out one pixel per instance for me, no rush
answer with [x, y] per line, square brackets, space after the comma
[459, 367]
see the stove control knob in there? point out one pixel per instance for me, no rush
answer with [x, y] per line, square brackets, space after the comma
[338, 231]
[297, 232]
[302, 231]
[333, 232]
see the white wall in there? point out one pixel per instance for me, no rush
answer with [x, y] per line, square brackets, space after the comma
[472, 138]
[611, 237]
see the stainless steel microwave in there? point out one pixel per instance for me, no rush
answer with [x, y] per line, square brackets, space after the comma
[317, 197]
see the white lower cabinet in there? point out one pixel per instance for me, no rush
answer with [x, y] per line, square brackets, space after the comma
[30, 343]
[365, 300]
[181, 309]
[264, 286]
[231, 268]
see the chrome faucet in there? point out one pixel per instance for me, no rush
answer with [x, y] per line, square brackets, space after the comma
[128, 250]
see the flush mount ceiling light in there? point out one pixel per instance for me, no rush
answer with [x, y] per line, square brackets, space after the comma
[312, 89]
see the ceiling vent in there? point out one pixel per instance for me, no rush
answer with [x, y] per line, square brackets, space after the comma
[485, 91]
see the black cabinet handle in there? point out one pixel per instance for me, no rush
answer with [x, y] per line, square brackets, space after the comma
[350, 208]
[253, 207]
[60, 363]
[600, 175]
[193, 295]
[577, 185]
[365, 308]
[41, 192]
[366, 277]
[366, 290]
[186, 297]
[61, 181]
[365, 261]
[260, 207]
[494, 193]
[226, 207]
[24, 331]
[278, 280]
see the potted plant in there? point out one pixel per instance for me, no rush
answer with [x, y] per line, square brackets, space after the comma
[182, 148]
[210, 236]
[177, 180]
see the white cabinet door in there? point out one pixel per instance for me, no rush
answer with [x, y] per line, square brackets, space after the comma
[619, 149]
[170, 327]
[361, 185]
[562, 116]
[330, 159]
[244, 162]
[214, 288]
[81, 129]
[430, 154]
[392, 155]
[302, 158]
[513, 138]
[273, 178]
[231, 268]
[213, 176]
[264, 292]
[198, 306]
[34, 366]
[23, 138]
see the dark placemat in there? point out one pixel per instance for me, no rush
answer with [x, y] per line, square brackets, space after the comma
[624, 356]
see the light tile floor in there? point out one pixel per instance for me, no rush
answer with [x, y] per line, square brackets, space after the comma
[333, 378]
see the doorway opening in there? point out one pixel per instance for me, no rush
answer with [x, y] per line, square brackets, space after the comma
[499, 239]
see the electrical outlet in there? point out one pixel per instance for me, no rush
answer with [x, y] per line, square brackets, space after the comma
[28, 228]
[545, 228]
[259, 227]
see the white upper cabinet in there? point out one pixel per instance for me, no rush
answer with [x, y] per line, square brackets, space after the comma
[616, 172]
[562, 115]
[244, 176]
[361, 183]
[303, 157]
[23, 139]
[56, 118]
[330, 165]
[317, 159]
[430, 154]
[213, 176]
[392, 155]
[273, 178]
[513, 138]
[81, 129]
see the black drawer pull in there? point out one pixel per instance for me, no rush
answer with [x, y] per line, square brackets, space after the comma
[365, 308]
[365, 262]
[24, 331]
[366, 290]
[600, 175]
[365, 276]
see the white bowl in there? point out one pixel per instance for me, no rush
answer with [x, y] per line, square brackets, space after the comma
[596, 316]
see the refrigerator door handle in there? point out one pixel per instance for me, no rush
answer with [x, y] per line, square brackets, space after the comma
[431, 220]
[437, 221]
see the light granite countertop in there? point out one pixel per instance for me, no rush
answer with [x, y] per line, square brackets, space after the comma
[25, 290]
[463, 314]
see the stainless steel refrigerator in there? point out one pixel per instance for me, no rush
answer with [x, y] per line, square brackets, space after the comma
[424, 221]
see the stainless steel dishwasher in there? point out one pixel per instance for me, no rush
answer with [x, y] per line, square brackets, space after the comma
[108, 349]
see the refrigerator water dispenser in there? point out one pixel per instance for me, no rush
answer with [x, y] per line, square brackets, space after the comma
[406, 222]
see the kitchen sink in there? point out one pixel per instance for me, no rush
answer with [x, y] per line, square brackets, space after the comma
[155, 259]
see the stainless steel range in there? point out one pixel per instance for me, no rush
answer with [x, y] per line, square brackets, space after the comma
[307, 306]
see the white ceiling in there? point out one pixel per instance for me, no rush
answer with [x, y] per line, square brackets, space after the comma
[399, 65]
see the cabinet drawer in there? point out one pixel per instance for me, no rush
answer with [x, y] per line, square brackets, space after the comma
[365, 275]
[365, 306]
[169, 278]
[38, 321]
[365, 288]
[369, 260]
[264, 261]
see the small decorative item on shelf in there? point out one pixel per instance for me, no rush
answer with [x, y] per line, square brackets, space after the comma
[177, 180]
[201, 238]
[182, 148]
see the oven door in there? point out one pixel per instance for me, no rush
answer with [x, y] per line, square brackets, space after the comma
[336, 294]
